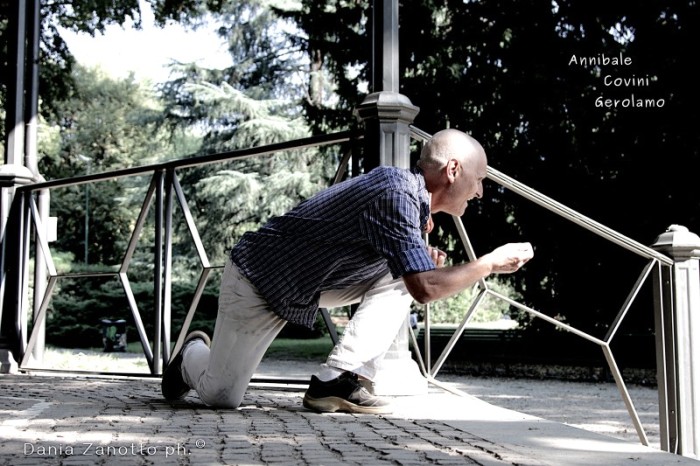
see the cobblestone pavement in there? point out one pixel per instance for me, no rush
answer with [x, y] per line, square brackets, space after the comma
[87, 421]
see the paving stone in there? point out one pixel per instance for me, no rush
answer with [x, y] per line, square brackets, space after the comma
[125, 421]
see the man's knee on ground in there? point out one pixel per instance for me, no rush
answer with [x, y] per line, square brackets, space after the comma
[223, 401]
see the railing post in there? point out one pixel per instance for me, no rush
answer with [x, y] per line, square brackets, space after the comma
[158, 275]
[677, 319]
[387, 116]
[12, 270]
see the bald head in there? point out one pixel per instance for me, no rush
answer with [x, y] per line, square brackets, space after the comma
[454, 165]
[450, 144]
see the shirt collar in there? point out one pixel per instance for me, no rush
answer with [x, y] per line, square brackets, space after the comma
[423, 197]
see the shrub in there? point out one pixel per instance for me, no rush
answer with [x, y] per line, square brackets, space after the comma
[452, 310]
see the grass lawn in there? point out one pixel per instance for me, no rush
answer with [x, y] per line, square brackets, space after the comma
[133, 360]
[287, 348]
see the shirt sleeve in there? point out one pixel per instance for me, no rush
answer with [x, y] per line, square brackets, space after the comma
[391, 224]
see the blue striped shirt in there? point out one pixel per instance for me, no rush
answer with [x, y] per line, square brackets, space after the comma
[344, 235]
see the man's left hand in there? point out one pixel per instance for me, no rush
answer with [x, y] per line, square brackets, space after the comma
[437, 256]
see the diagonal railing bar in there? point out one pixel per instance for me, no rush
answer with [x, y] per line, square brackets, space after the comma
[467, 245]
[40, 231]
[140, 328]
[447, 387]
[39, 319]
[630, 299]
[626, 398]
[547, 318]
[427, 356]
[199, 291]
[204, 260]
[421, 364]
[138, 227]
[126, 262]
[189, 220]
[342, 166]
[458, 333]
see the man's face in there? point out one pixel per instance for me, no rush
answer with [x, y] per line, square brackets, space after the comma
[467, 184]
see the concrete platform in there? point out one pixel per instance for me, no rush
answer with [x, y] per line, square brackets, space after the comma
[88, 420]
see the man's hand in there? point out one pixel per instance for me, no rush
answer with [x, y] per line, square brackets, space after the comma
[437, 256]
[509, 257]
[446, 281]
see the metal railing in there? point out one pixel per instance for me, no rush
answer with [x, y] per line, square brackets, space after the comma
[165, 189]
[655, 259]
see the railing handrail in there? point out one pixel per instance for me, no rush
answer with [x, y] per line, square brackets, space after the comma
[568, 213]
[238, 154]
[576, 217]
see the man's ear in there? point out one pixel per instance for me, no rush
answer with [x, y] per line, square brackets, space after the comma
[452, 168]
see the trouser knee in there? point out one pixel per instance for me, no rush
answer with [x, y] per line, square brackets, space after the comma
[223, 403]
[223, 399]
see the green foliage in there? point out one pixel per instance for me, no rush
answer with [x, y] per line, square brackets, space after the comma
[230, 202]
[237, 120]
[338, 47]
[452, 310]
[254, 102]
[79, 306]
[294, 348]
[104, 125]
[55, 60]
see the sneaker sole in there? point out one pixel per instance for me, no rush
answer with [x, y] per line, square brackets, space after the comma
[173, 387]
[197, 335]
[171, 376]
[332, 404]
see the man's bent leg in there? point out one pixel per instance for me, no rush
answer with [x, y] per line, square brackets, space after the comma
[369, 334]
[373, 328]
[245, 327]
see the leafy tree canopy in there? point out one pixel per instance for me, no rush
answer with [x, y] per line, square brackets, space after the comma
[102, 125]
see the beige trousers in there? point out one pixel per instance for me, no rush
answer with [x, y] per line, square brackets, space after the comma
[245, 328]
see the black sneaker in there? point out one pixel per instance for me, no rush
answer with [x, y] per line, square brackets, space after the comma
[344, 393]
[173, 386]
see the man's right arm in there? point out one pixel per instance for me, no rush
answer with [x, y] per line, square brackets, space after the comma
[443, 282]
